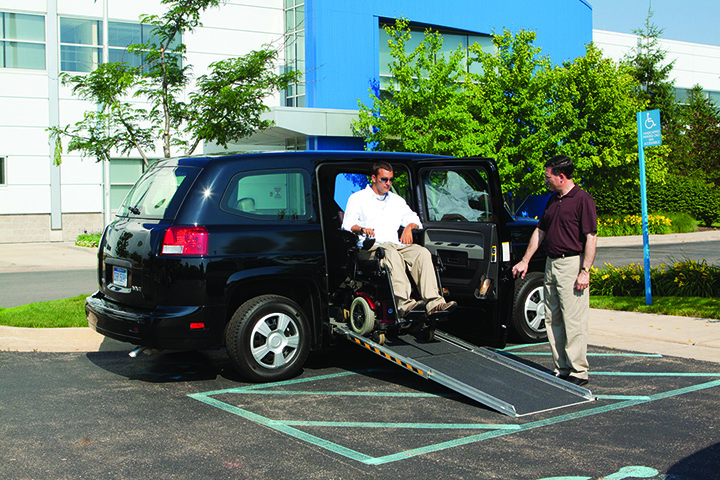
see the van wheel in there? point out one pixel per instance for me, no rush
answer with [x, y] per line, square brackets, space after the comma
[528, 318]
[362, 317]
[268, 338]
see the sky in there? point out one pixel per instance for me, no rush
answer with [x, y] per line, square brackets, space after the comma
[694, 21]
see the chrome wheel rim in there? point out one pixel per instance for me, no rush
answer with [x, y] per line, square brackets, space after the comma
[275, 340]
[534, 310]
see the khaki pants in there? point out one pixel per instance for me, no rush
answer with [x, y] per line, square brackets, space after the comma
[567, 316]
[418, 261]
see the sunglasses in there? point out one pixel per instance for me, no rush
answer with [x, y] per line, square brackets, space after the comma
[386, 179]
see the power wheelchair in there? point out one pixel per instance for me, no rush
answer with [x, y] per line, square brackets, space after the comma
[368, 300]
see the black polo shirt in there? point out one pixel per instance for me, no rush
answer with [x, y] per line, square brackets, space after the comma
[566, 221]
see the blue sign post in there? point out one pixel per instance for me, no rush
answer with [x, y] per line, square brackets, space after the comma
[649, 135]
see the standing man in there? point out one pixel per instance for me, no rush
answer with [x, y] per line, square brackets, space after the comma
[376, 212]
[569, 228]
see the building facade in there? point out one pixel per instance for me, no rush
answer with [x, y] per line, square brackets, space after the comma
[695, 64]
[339, 45]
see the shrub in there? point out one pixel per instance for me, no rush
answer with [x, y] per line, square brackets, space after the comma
[681, 222]
[689, 278]
[614, 226]
[686, 195]
[689, 195]
[91, 240]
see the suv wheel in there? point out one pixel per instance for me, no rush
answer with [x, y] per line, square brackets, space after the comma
[528, 318]
[267, 338]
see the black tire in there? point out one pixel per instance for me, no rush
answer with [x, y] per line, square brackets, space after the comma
[362, 317]
[528, 319]
[268, 339]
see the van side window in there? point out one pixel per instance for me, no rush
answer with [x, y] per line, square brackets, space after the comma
[268, 195]
[457, 195]
[348, 183]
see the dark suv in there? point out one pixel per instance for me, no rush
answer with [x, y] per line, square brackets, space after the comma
[242, 251]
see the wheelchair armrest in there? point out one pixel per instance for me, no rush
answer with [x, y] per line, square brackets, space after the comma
[350, 240]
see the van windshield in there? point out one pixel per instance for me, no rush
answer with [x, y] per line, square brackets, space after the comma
[158, 193]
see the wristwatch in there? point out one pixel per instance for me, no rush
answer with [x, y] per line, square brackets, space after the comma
[585, 269]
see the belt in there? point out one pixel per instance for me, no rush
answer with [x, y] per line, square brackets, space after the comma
[564, 255]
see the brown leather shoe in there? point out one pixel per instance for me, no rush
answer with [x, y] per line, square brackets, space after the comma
[403, 312]
[445, 307]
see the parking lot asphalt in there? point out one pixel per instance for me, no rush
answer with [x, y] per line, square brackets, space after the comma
[349, 414]
[685, 337]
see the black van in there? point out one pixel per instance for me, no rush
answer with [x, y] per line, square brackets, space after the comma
[242, 251]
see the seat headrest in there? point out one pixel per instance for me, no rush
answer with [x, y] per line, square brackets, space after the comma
[246, 204]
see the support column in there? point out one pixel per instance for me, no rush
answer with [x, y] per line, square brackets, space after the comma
[53, 69]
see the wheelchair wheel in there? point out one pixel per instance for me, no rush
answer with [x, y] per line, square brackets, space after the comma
[426, 335]
[362, 317]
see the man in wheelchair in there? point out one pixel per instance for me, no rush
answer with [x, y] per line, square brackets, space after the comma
[377, 213]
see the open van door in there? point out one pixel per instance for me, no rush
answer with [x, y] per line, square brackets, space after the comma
[460, 203]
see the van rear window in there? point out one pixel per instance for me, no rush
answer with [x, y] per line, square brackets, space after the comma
[158, 193]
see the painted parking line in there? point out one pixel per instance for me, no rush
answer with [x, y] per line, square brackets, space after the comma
[547, 354]
[292, 427]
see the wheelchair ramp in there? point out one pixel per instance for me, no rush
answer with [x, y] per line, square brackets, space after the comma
[492, 379]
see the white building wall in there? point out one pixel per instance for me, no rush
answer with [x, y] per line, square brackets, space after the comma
[694, 63]
[26, 200]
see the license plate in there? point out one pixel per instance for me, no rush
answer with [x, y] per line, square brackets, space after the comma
[120, 276]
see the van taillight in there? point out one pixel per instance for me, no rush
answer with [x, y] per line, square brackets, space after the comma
[185, 241]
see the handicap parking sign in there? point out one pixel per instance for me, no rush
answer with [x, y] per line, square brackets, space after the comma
[650, 126]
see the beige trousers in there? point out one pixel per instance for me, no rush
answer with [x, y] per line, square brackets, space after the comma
[418, 261]
[567, 316]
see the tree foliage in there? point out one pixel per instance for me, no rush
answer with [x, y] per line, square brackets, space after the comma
[423, 109]
[517, 107]
[141, 107]
[594, 122]
[697, 150]
[511, 101]
[647, 63]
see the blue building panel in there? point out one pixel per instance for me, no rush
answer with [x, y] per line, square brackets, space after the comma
[342, 37]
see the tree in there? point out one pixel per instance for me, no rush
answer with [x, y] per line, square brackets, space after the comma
[519, 109]
[593, 122]
[698, 146]
[647, 64]
[423, 108]
[511, 102]
[225, 105]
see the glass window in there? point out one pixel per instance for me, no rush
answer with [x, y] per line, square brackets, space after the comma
[2, 171]
[19, 26]
[22, 41]
[456, 195]
[80, 44]
[348, 183]
[268, 195]
[123, 175]
[295, 50]
[123, 34]
[714, 97]
[81, 32]
[159, 193]
[451, 41]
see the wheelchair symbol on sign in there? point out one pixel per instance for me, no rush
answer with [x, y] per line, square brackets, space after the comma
[649, 122]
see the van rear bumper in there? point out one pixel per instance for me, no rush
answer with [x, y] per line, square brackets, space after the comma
[165, 328]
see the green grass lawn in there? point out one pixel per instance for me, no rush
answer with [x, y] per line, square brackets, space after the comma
[681, 306]
[70, 312]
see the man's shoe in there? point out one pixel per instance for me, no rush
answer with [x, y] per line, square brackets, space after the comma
[577, 380]
[445, 307]
[402, 312]
[561, 376]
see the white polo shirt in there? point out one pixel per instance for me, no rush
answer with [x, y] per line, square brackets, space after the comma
[383, 213]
